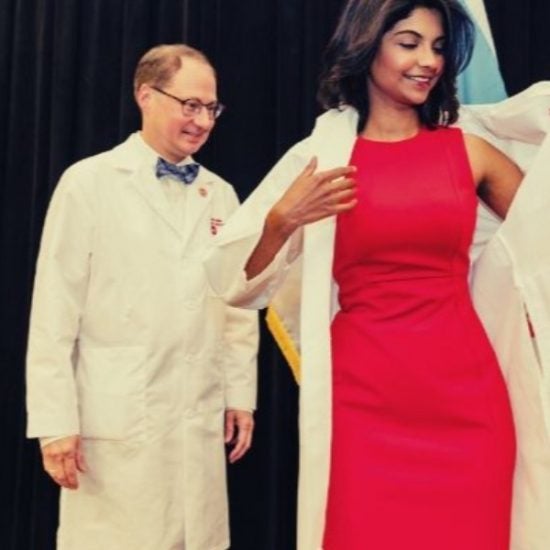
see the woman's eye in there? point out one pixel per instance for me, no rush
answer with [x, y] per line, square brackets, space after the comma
[407, 45]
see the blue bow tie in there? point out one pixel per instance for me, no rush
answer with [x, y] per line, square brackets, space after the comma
[186, 173]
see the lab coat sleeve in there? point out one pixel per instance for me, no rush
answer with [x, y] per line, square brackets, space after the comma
[512, 277]
[240, 351]
[226, 261]
[60, 288]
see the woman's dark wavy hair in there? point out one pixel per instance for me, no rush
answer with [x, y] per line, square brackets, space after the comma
[356, 40]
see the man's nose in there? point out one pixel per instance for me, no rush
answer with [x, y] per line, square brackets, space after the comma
[203, 118]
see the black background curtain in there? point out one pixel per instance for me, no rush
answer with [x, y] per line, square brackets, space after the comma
[66, 92]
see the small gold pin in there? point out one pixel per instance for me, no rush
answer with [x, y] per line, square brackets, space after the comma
[203, 192]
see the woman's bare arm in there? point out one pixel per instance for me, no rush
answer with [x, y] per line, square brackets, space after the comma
[497, 177]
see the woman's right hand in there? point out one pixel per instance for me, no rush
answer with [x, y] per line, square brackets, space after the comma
[313, 196]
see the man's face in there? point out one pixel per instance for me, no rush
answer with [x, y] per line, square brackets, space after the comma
[166, 128]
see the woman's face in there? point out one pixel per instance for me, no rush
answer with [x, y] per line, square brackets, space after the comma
[409, 61]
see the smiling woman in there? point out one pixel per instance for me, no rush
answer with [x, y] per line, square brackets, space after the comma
[405, 417]
[409, 61]
[354, 46]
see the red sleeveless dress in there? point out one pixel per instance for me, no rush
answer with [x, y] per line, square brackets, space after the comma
[423, 444]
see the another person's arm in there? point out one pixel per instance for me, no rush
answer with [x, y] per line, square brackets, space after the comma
[255, 249]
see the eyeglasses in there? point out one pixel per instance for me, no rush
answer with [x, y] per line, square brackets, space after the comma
[193, 106]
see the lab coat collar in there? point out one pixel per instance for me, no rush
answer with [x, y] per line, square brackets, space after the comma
[139, 159]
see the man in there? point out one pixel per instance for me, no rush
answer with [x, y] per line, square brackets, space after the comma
[134, 366]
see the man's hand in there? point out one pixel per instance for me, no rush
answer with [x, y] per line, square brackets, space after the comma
[63, 459]
[239, 426]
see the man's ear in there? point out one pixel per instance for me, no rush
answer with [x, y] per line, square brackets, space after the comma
[143, 96]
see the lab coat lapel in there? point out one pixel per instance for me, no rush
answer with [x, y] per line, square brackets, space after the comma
[149, 187]
[128, 157]
[332, 141]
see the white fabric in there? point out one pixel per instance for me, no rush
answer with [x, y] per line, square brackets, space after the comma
[47, 440]
[129, 347]
[512, 270]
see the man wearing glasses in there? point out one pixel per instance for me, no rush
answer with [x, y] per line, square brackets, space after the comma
[136, 373]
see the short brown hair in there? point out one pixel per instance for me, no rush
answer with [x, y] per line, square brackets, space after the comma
[161, 63]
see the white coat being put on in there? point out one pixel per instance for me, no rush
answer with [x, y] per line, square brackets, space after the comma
[511, 276]
[129, 347]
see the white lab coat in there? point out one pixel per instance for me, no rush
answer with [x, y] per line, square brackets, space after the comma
[129, 347]
[512, 272]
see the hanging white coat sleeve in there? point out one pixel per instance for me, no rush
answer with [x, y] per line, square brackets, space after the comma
[512, 277]
[226, 261]
[60, 288]
[239, 348]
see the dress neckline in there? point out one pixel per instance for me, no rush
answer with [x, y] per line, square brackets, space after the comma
[422, 130]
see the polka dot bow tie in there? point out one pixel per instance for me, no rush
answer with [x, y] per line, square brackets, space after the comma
[186, 173]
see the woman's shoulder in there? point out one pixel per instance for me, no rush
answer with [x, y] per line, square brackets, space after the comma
[476, 144]
[444, 134]
[470, 139]
[458, 136]
[450, 131]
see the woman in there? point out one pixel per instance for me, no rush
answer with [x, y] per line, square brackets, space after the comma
[421, 449]
[422, 427]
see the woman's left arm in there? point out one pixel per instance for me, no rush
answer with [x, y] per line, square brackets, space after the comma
[496, 176]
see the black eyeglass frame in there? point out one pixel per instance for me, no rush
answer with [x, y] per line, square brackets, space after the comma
[214, 109]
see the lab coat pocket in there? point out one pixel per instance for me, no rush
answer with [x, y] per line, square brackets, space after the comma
[111, 390]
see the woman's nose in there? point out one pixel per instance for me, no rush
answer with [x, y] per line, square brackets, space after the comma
[427, 57]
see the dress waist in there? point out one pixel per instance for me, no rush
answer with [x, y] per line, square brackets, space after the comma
[406, 297]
